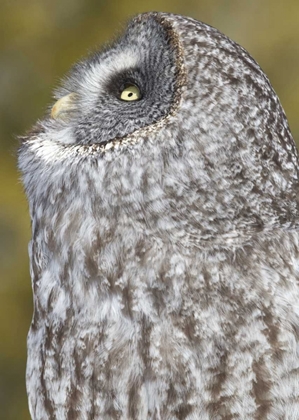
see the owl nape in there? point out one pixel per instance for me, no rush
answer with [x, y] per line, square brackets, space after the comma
[162, 190]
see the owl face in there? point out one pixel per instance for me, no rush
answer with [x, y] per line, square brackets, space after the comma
[126, 87]
[174, 127]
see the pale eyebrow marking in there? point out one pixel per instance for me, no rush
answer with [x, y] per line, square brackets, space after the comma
[96, 77]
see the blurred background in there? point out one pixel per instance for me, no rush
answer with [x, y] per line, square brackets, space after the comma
[39, 41]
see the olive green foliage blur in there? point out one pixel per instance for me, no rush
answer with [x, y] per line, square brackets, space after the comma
[39, 41]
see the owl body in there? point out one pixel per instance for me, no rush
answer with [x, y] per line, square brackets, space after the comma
[164, 251]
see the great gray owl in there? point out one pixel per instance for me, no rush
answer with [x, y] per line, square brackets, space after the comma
[163, 193]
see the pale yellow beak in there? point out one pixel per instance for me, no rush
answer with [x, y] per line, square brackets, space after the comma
[63, 107]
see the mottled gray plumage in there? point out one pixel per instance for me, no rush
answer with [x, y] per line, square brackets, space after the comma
[165, 251]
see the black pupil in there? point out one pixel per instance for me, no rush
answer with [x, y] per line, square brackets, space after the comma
[130, 94]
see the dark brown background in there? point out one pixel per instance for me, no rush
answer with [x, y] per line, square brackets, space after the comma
[39, 41]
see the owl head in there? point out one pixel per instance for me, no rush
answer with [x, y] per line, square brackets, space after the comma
[174, 130]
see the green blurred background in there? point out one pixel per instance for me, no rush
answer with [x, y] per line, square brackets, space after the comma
[39, 41]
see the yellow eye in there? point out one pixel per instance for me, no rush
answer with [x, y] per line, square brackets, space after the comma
[130, 93]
